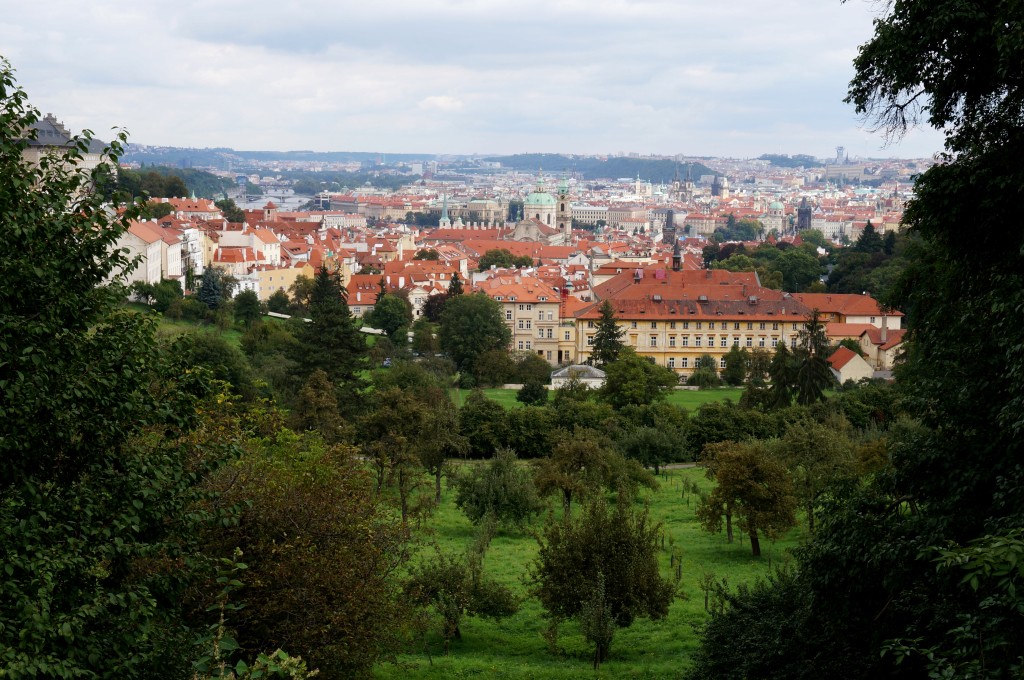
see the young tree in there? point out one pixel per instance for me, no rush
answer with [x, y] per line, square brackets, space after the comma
[705, 374]
[441, 439]
[607, 338]
[782, 371]
[752, 486]
[601, 568]
[533, 393]
[816, 456]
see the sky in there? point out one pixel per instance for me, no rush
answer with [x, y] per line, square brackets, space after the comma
[734, 78]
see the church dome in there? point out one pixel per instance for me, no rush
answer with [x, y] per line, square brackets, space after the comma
[775, 205]
[539, 198]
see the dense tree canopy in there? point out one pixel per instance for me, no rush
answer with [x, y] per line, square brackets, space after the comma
[470, 326]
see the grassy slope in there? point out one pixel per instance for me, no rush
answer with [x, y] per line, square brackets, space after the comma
[515, 648]
[688, 399]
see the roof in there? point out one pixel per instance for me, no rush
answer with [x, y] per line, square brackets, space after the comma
[580, 371]
[893, 337]
[841, 357]
[844, 303]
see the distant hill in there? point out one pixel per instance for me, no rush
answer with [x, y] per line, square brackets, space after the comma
[656, 171]
[224, 158]
[797, 160]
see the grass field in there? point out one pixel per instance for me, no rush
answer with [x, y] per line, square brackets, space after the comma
[688, 399]
[515, 648]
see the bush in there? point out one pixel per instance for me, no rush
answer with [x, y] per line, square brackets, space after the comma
[501, 489]
[533, 393]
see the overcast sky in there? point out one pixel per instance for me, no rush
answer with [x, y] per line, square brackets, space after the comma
[700, 77]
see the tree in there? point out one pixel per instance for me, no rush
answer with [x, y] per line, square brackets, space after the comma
[533, 393]
[705, 373]
[736, 363]
[813, 375]
[100, 506]
[278, 302]
[232, 213]
[650, 446]
[869, 241]
[501, 489]
[331, 341]
[426, 253]
[322, 553]
[782, 371]
[301, 289]
[434, 306]
[470, 326]
[247, 308]
[316, 408]
[607, 338]
[455, 285]
[503, 258]
[441, 439]
[482, 423]
[632, 379]
[816, 456]
[752, 486]
[393, 315]
[601, 568]
[211, 288]
[390, 431]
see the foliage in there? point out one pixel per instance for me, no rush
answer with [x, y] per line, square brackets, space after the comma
[601, 566]
[96, 475]
[322, 553]
[393, 315]
[212, 291]
[426, 254]
[501, 489]
[813, 375]
[315, 408]
[651, 446]
[607, 338]
[705, 374]
[440, 440]
[751, 485]
[471, 325]
[455, 285]
[633, 379]
[232, 213]
[224, 361]
[247, 308]
[278, 302]
[161, 296]
[482, 423]
[736, 366]
[533, 392]
[503, 259]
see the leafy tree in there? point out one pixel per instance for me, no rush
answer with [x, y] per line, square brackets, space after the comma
[321, 552]
[222, 359]
[247, 308]
[607, 338]
[301, 289]
[232, 213]
[503, 258]
[390, 431]
[799, 269]
[533, 392]
[632, 379]
[433, 306]
[426, 254]
[736, 362]
[500, 489]
[602, 568]
[482, 423]
[752, 486]
[782, 371]
[650, 446]
[99, 513]
[470, 326]
[278, 302]
[393, 315]
[441, 439]
[494, 368]
[816, 456]
[705, 373]
[316, 408]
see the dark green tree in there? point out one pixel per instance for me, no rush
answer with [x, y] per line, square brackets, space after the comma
[736, 363]
[211, 288]
[455, 285]
[632, 379]
[501, 489]
[247, 308]
[813, 375]
[471, 325]
[869, 241]
[533, 392]
[278, 302]
[782, 372]
[232, 213]
[607, 338]
[393, 315]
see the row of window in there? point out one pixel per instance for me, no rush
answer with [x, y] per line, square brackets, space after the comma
[698, 341]
[684, 362]
[724, 325]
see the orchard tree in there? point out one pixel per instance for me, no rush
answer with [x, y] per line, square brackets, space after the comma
[634, 380]
[601, 568]
[501, 489]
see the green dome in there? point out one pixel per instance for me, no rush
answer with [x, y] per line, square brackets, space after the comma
[539, 198]
[775, 205]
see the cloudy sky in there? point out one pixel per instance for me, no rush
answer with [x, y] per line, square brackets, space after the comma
[701, 77]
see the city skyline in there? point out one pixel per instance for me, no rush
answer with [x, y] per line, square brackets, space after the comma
[735, 80]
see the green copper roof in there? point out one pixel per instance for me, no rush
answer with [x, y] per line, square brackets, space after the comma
[539, 198]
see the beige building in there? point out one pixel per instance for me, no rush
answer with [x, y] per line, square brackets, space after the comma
[531, 311]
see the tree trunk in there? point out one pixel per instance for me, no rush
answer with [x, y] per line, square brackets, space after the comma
[755, 543]
[728, 522]
[810, 517]
[437, 486]
[566, 501]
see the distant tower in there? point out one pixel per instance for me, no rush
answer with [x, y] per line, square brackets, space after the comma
[668, 232]
[840, 155]
[563, 212]
[689, 183]
[716, 186]
[677, 185]
[677, 257]
[445, 222]
[723, 187]
[803, 215]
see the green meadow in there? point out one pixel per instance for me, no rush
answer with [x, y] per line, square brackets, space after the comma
[515, 648]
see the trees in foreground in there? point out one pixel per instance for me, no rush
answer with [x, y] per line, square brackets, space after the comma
[600, 568]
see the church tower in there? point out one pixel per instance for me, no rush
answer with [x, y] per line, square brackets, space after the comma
[563, 211]
[446, 221]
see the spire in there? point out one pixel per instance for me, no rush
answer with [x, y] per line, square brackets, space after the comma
[444, 208]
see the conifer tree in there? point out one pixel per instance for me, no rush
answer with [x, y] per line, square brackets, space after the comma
[608, 337]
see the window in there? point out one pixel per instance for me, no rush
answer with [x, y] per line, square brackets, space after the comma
[529, 324]
[686, 325]
[632, 324]
[775, 326]
[686, 341]
[508, 315]
[527, 344]
[724, 342]
[540, 332]
[520, 344]
[672, 341]
[750, 325]
[654, 341]
[567, 335]
[794, 326]
[551, 334]
[520, 324]
[760, 341]
[590, 340]
[684, 362]
[672, 325]
[792, 342]
[671, 362]
[872, 320]
[736, 341]
[654, 325]
[736, 325]
[540, 316]
[760, 326]
[721, 363]
[357, 310]
[549, 355]
[590, 324]
[750, 341]
[521, 307]
[529, 308]
[711, 325]
[699, 325]
[696, 341]
[550, 317]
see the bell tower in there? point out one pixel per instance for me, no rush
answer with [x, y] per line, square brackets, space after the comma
[563, 211]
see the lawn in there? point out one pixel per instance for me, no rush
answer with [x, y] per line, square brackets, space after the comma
[515, 648]
[688, 399]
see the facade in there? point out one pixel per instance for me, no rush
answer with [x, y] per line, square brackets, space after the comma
[531, 311]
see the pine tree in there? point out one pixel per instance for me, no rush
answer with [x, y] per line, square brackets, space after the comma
[607, 338]
[455, 285]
